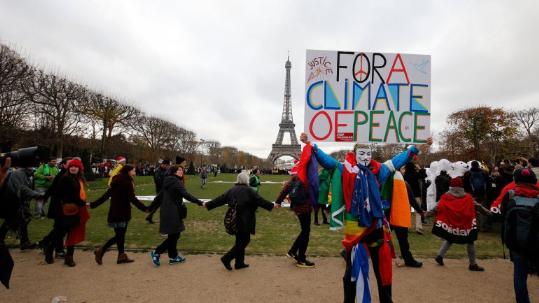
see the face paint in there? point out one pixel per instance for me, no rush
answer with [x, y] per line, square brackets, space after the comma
[363, 156]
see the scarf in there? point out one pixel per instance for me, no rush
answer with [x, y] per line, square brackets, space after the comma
[360, 273]
[366, 200]
[77, 233]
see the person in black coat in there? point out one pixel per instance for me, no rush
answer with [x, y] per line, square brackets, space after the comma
[55, 209]
[442, 184]
[412, 177]
[6, 260]
[122, 194]
[246, 201]
[173, 212]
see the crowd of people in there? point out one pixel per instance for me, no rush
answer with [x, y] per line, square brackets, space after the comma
[367, 198]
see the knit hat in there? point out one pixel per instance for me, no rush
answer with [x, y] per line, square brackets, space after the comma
[121, 159]
[456, 182]
[525, 175]
[166, 162]
[77, 163]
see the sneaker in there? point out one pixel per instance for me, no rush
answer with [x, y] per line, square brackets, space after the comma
[305, 264]
[439, 260]
[60, 254]
[177, 260]
[475, 267]
[155, 258]
[419, 232]
[291, 255]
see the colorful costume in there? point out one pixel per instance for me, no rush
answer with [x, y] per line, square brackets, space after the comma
[365, 227]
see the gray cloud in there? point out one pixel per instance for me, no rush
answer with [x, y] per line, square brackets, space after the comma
[217, 67]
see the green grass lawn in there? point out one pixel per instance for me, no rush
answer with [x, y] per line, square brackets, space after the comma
[205, 233]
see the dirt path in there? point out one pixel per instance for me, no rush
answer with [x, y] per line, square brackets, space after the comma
[269, 279]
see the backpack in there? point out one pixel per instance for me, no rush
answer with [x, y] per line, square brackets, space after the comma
[297, 192]
[477, 182]
[521, 226]
[231, 218]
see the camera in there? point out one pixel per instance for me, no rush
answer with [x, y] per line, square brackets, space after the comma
[26, 157]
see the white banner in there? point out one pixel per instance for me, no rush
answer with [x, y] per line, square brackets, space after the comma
[367, 97]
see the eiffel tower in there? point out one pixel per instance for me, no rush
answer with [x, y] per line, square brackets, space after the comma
[287, 125]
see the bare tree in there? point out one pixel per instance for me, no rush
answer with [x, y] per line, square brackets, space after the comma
[528, 118]
[13, 73]
[214, 151]
[56, 98]
[108, 112]
[154, 133]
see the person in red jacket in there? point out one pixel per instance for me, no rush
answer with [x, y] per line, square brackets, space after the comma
[456, 221]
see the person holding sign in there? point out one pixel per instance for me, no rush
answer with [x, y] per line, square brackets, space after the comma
[366, 227]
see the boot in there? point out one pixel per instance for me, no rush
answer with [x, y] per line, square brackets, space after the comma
[68, 260]
[99, 252]
[122, 258]
[48, 254]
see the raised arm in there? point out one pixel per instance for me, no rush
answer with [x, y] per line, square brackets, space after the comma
[396, 163]
[323, 159]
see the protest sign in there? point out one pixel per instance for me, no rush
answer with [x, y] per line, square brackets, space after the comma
[367, 97]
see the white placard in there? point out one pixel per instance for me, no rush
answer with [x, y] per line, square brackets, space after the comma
[367, 97]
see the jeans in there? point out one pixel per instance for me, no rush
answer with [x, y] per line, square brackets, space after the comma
[470, 248]
[169, 245]
[302, 241]
[418, 222]
[238, 250]
[520, 278]
[40, 212]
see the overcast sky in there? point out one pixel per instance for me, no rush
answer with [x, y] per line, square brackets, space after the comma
[217, 67]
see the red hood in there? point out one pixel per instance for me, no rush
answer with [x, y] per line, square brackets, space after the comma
[529, 191]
